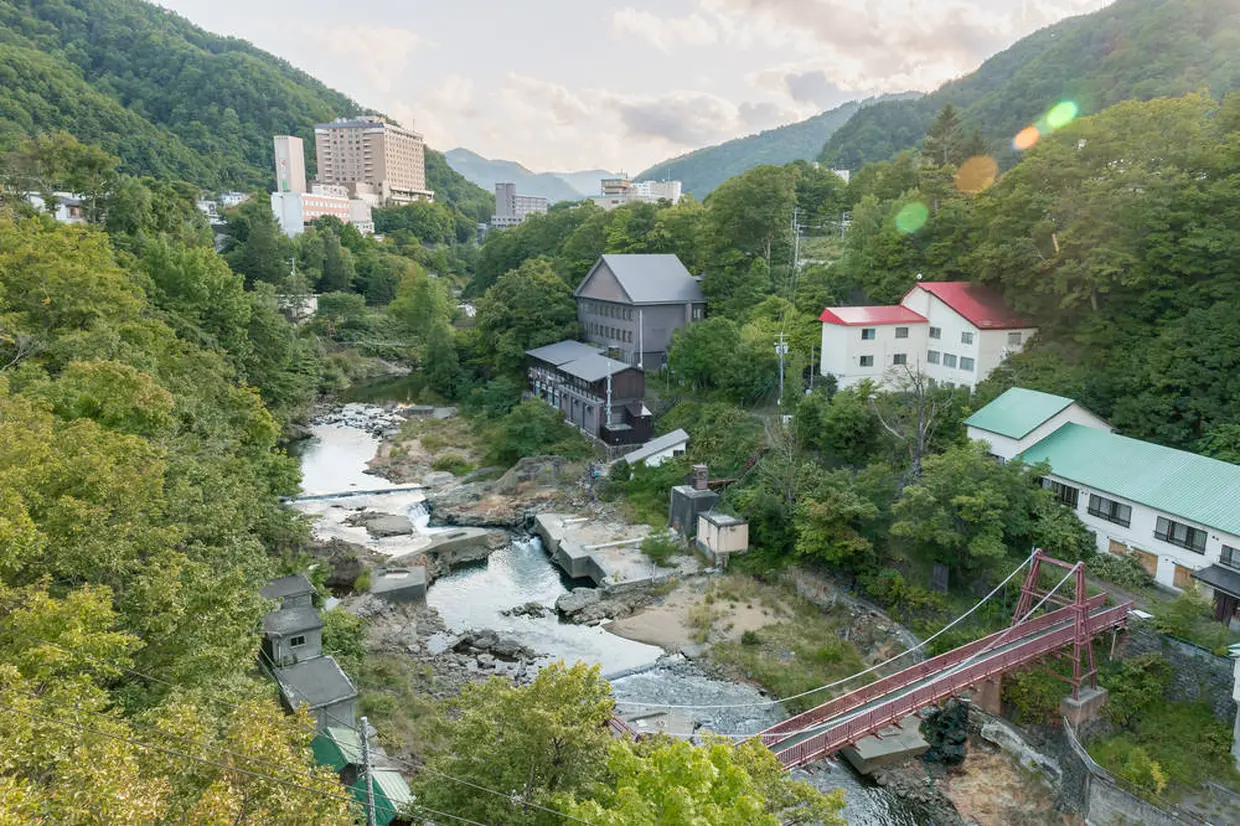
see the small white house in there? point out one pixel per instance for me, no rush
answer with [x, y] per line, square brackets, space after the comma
[1021, 418]
[955, 332]
[1175, 512]
[657, 451]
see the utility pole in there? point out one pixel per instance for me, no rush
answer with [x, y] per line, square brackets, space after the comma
[609, 397]
[796, 240]
[366, 769]
[811, 368]
[781, 349]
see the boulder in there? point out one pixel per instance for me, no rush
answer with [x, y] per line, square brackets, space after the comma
[537, 470]
[380, 525]
[576, 600]
[507, 648]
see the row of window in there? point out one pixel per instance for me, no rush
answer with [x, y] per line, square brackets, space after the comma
[1167, 530]
[610, 332]
[609, 310]
[949, 360]
[936, 333]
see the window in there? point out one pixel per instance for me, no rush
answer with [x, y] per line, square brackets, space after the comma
[1193, 539]
[966, 364]
[867, 361]
[949, 360]
[1230, 557]
[932, 357]
[899, 358]
[868, 333]
[1015, 339]
[901, 332]
[966, 337]
[1066, 494]
[296, 642]
[936, 332]
[1110, 510]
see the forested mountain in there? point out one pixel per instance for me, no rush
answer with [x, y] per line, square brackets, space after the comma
[1134, 49]
[554, 186]
[171, 100]
[704, 169]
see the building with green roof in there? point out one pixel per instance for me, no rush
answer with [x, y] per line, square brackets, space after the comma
[1175, 512]
[1021, 418]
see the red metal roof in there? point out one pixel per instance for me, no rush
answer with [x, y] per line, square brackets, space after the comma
[981, 306]
[855, 316]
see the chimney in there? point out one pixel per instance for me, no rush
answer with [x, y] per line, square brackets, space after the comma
[700, 475]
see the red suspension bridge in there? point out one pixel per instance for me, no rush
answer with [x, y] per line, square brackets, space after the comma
[1067, 630]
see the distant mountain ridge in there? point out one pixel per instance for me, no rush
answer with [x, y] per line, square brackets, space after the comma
[1132, 49]
[554, 186]
[704, 169]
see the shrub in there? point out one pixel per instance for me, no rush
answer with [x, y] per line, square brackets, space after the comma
[361, 585]
[1131, 762]
[452, 462]
[1137, 686]
[1124, 571]
[661, 549]
[1034, 695]
[750, 638]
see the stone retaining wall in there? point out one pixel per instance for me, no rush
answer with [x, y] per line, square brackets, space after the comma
[1196, 673]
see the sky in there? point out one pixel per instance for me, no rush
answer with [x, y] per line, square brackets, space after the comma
[562, 85]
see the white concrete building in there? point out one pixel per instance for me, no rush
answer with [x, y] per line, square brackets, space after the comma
[290, 158]
[293, 211]
[954, 332]
[619, 191]
[1175, 512]
[69, 208]
[511, 209]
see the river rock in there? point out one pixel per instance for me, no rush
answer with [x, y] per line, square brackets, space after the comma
[438, 478]
[691, 652]
[576, 600]
[534, 610]
[380, 525]
[507, 648]
[537, 470]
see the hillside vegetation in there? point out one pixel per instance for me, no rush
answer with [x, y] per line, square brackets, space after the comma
[169, 99]
[1132, 50]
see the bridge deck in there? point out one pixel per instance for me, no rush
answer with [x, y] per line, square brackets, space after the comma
[844, 720]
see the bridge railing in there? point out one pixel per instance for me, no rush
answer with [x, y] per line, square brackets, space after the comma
[855, 728]
[886, 685]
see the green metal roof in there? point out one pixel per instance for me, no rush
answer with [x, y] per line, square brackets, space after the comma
[1017, 412]
[337, 747]
[391, 794]
[1196, 488]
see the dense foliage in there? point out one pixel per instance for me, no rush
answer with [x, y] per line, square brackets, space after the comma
[1131, 50]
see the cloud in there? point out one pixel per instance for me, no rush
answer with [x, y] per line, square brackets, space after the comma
[380, 53]
[684, 118]
[664, 33]
[454, 94]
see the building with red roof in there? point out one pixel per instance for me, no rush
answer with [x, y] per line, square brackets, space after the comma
[955, 332]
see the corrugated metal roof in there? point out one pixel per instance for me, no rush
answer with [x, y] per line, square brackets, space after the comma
[392, 793]
[650, 279]
[562, 352]
[859, 316]
[316, 682]
[981, 306]
[337, 747]
[1199, 489]
[290, 620]
[287, 586]
[676, 437]
[1017, 412]
[594, 367]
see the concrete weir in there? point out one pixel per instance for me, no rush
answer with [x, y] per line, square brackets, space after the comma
[607, 554]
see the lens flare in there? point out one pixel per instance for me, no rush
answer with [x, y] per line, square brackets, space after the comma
[912, 217]
[977, 173]
[1026, 139]
[1062, 114]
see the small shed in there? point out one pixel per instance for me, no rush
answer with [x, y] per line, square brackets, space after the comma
[292, 591]
[657, 451]
[719, 535]
[399, 584]
[323, 687]
[291, 635]
[392, 795]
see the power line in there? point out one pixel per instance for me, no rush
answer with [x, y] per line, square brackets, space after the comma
[870, 670]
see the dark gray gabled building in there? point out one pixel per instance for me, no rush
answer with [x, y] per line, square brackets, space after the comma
[578, 380]
[630, 305]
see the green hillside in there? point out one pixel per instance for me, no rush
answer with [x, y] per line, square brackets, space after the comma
[168, 98]
[704, 169]
[1134, 49]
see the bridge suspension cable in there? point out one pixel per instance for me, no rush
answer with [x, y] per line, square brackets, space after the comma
[870, 670]
[946, 673]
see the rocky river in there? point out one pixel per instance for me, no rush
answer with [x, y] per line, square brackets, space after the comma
[468, 625]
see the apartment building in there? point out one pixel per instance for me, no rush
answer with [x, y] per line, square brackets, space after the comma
[511, 208]
[372, 151]
[954, 332]
[290, 156]
[294, 211]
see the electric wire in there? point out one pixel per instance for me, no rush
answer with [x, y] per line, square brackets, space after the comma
[870, 670]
